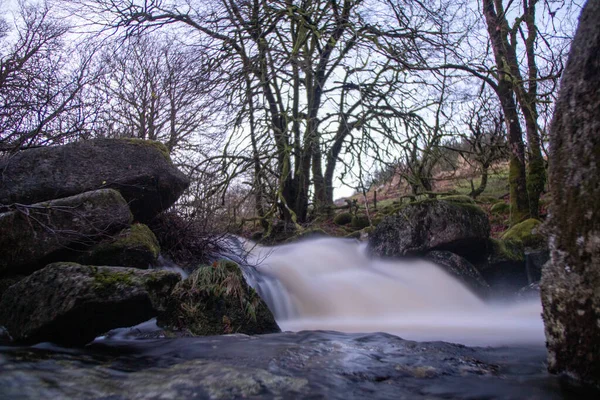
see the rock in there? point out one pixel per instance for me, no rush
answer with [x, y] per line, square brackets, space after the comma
[432, 225]
[32, 233]
[360, 221]
[4, 336]
[216, 300]
[7, 282]
[307, 233]
[505, 268]
[570, 285]
[71, 304]
[140, 170]
[343, 218]
[461, 269]
[501, 208]
[534, 263]
[459, 198]
[527, 232]
[134, 247]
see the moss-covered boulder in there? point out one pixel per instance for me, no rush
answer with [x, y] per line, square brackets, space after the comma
[134, 247]
[500, 208]
[428, 225]
[527, 232]
[343, 218]
[459, 198]
[30, 234]
[360, 221]
[71, 304]
[216, 300]
[140, 170]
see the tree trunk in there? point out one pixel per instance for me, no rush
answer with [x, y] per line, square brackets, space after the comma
[498, 31]
[571, 280]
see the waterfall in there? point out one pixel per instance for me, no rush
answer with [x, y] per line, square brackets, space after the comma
[332, 284]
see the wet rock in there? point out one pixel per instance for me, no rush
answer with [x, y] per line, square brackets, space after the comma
[134, 247]
[140, 170]
[31, 233]
[7, 282]
[71, 304]
[418, 228]
[570, 283]
[216, 300]
[461, 269]
[505, 269]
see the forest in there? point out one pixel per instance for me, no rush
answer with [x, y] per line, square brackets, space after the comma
[273, 107]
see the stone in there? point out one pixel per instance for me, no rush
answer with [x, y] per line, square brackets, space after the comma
[343, 218]
[360, 221]
[134, 247]
[216, 300]
[460, 268]
[428, 225]
[505, 268]
[30, 234]
[140, 170]
[570, 286]
[71, 304]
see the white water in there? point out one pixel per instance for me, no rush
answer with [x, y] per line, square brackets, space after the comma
[331, 284]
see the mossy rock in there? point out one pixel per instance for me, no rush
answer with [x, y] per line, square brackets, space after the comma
[150, 143]
[487, 199]
[353, 235]
[135, 247]
[526, 232]
[306, 233]
[216, 300]
[459, 199]
[500, 208]
[360, 221]
[342, 218]
[506, 250]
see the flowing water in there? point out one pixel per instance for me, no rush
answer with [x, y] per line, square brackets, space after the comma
[333, 284]
[325, 291]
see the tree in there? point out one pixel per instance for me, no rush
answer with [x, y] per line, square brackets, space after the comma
[40, 84]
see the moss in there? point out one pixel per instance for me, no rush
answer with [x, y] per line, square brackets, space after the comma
[500, 208]
[526, 232]
[135, 247]
[217, 300]
[360, 221]
[353, 235]
[342, 218]
[151, 143]
[110, 280]
[507, 250]
[487, 199]
[458, 199]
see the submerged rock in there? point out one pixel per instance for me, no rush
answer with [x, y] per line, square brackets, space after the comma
[216, 300]
[31, 233]
[134, 247]
[418, 228]
[71, 304]
[460, 268]
[140, 170]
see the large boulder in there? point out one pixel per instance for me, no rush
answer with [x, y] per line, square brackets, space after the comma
[141, 170]
[570, 285]
[71, 304]
[418, 228]
[32, 233]
[216, 300]
[134, 247]
[505, 268]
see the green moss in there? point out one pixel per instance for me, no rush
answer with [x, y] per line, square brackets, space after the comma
[217, 300]
[487, 199]
[110, 280]
[500, 208]
[458, 199]
[360, 221]
[151, 143]
[135, 247]
[507, 250]
[526, 232]
[342, 218]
